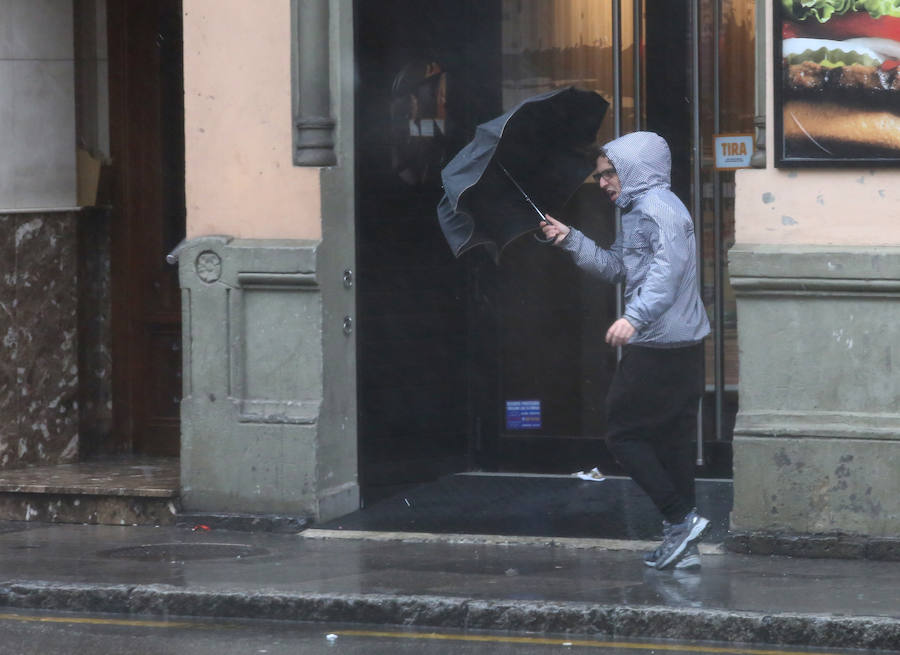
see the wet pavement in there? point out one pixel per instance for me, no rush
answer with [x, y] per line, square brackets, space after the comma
[578, 586]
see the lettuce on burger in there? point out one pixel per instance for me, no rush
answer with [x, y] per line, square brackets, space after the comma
[841, 79]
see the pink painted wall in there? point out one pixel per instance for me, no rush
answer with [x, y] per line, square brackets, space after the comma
[239, 176]
[858, 206]
[807, 206]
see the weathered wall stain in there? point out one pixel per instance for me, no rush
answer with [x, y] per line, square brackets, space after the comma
[781, 458]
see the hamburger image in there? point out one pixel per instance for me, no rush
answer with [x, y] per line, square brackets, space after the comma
[841, 83]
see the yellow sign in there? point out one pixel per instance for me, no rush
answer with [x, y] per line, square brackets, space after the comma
[733, 151]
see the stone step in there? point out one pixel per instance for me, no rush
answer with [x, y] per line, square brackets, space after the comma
[126, 491]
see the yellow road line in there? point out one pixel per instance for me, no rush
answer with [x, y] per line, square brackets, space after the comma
[434, 636]
[98, 621]
[543, 641]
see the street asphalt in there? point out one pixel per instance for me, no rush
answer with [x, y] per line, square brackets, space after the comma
[538, 584]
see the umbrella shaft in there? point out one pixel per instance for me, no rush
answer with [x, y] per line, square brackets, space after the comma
[522, 191]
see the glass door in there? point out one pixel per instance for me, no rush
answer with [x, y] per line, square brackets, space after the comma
[554, 366]
[684, 70]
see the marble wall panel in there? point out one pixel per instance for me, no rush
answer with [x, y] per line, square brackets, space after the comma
[95, 334]
[39, 384]
[9, 398]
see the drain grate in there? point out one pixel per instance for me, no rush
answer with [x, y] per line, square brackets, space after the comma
[183, 552]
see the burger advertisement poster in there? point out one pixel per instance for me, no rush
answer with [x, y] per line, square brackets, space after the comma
[837, 99]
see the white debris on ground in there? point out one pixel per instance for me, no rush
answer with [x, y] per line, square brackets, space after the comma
[594, 475]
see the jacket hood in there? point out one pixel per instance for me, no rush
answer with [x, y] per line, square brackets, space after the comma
[642, 161]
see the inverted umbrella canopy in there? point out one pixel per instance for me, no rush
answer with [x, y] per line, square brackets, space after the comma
[542, 143]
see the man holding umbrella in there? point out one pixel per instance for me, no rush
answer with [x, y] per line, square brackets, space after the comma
[653, 398]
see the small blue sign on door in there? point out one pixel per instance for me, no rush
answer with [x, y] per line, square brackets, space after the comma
[523, 414]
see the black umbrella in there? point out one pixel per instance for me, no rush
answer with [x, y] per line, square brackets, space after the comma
[526, 162]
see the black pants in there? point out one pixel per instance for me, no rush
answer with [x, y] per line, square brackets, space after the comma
[652, 419]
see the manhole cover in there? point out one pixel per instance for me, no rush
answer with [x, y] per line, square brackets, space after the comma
[183, 552]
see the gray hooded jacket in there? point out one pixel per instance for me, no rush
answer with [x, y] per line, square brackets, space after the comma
[655, 255]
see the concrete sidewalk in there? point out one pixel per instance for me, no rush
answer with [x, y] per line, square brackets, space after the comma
[590, 587]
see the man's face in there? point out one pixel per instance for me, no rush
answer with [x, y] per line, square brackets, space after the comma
[607, 178]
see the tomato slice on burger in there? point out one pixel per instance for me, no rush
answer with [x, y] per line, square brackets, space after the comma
[846, 26]
[860, 23]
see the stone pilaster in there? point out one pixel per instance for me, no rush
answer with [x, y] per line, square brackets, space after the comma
[817, 438]
[252, 440]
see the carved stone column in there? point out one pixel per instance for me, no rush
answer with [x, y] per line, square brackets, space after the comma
[311, 81]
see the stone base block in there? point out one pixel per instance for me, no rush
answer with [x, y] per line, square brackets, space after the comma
[834, 546]
[817, 486]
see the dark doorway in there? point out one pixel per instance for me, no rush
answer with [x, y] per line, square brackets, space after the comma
[438, 62]
[147, 142]
[448, 347]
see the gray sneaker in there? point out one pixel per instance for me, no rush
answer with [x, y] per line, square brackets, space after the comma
[651, 558]
[690, 558]
[678, 537]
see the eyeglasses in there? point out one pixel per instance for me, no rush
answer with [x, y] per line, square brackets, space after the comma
[606, 174]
